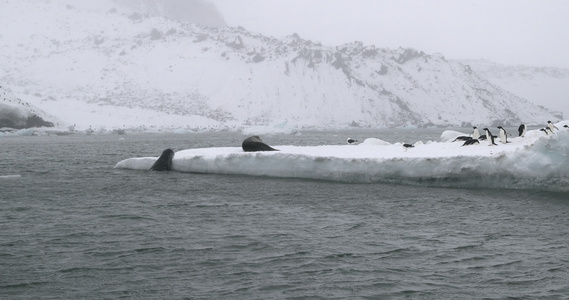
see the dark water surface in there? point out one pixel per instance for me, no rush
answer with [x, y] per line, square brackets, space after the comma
[73, 227]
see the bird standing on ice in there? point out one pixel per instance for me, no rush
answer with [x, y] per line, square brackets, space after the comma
[351, 141]
[551, 126]
[490, 137]
[475, 133]
[503, 135]
[522, 130]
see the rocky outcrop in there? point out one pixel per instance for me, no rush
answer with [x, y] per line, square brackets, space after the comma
[18, 114]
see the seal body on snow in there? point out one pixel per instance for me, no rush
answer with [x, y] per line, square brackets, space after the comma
[254, 144]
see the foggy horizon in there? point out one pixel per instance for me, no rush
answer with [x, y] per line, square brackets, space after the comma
[506, 32]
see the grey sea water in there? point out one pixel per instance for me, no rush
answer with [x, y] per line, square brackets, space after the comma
[73, 227]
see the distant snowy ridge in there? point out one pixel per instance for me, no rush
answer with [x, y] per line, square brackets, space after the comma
[111, 64]
[536, 161]
[546, 86]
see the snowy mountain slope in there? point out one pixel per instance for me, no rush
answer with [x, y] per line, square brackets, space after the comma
[114, 60]
[541, 85]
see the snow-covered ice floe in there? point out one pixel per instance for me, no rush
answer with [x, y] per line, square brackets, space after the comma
[534, 162]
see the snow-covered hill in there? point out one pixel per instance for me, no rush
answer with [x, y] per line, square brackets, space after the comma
[112, 66]
[545, 86]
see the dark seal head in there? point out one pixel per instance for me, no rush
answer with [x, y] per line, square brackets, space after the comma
[254, 144]
[164, 162]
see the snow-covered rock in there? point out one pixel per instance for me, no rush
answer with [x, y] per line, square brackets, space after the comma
[18, 114]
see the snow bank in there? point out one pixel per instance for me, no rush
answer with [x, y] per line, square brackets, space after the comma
[540, 162]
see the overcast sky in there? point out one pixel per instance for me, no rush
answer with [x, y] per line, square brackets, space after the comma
[528, 32]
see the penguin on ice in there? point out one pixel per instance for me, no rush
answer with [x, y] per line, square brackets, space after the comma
[490, 137]
[545, 130]
[503, 135]
[475, 133]
[462, 138]
[522, 130]
[351, 141]
[566, 126]
[471, 142]
[551, 126]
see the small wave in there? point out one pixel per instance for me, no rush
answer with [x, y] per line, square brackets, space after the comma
[505, 264]
[10, 176]
[128, 217]
[150, 250]
[24, 285]
[341, 255]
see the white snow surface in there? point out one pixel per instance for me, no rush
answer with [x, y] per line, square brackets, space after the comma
[534, 161]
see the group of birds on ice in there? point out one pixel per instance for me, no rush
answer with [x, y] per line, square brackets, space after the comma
[255, 144]
[475, 137]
